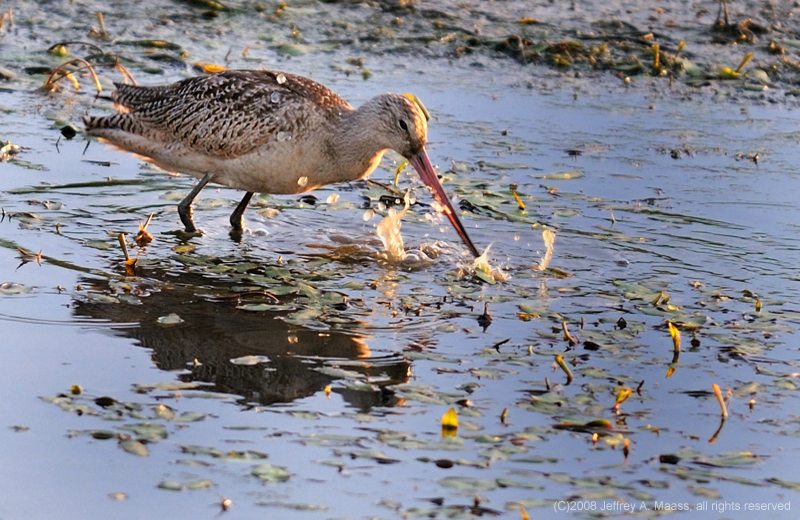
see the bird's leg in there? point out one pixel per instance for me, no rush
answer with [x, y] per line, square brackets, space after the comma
[185, 206]
[237, 217]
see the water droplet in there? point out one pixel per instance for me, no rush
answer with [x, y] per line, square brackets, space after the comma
[368, 215]
[281, 79]
[381, 206]
[282, 136]
[302, 181]
[516, 238]
[275, 97]
[333, 198]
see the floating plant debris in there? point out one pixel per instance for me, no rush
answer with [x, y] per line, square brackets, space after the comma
[301, 344]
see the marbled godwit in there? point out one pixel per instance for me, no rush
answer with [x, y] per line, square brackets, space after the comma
[266, 132]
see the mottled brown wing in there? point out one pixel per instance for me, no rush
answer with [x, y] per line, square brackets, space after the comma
[232, 113]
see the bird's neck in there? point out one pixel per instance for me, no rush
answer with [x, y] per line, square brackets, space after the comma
[360, 139]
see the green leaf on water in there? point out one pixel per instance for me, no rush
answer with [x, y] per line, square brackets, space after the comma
[788, 484]
[101, 298]
[377, 456]
[147, 431]
[468, 484]
[730, 460]
[169, 320]
[270, 473]
[705, 492]
[264, 307]
[134, 447]
[12, 288]
[309, 416]
[170, 485]
[172, 386]
[250, 360]
[293, 505]
[190, 417]
[163, 411]
[506, 483]
[199, 484]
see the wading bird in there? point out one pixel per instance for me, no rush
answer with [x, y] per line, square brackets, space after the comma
[266, 132]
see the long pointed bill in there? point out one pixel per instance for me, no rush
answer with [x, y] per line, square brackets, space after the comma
[422, 164]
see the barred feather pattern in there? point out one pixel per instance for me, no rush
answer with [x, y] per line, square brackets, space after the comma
[226, 115]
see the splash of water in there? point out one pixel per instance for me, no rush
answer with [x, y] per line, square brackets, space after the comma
[549, 237]
[388, 231]
[486, 272]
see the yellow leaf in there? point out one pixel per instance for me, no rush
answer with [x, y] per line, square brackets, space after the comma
[399, 169]
[661, 295]
[744, 61]
[565, 368]
[727, 73]
[450, 419]
[622, 395]
[676, 336]
[450, 423]
[208, 68]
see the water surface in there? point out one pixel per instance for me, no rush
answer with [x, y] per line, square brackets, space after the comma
[648, 189]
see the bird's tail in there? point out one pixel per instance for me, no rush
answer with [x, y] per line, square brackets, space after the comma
[100, 125]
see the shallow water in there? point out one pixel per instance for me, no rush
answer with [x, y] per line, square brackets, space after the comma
[399, 347]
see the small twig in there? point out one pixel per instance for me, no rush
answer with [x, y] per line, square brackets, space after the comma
[65, 73]
[720, 399]
[567, 336]
[126, 75]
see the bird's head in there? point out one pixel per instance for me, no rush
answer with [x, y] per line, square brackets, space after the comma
[405, 127]
[405, 122]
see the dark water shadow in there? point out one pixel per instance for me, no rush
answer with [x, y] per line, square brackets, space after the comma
[214, 332]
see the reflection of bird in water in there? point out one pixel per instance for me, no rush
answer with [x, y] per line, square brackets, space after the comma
[722, 14]
[214, 331]
[268, 132]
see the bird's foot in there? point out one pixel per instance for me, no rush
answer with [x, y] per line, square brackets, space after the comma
[237, 217]
[185, 212]
[237, 223]
[236, 235]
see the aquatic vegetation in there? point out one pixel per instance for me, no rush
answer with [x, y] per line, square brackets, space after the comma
[296, 368]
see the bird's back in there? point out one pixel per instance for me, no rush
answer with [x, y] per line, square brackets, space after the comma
[224, 116]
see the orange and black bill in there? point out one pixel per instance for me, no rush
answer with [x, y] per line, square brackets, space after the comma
[423, 166]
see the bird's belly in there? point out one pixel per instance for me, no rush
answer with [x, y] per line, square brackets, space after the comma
[279, 170]
[289, 172]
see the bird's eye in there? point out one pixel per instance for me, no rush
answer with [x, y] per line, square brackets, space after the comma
[403, 125]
